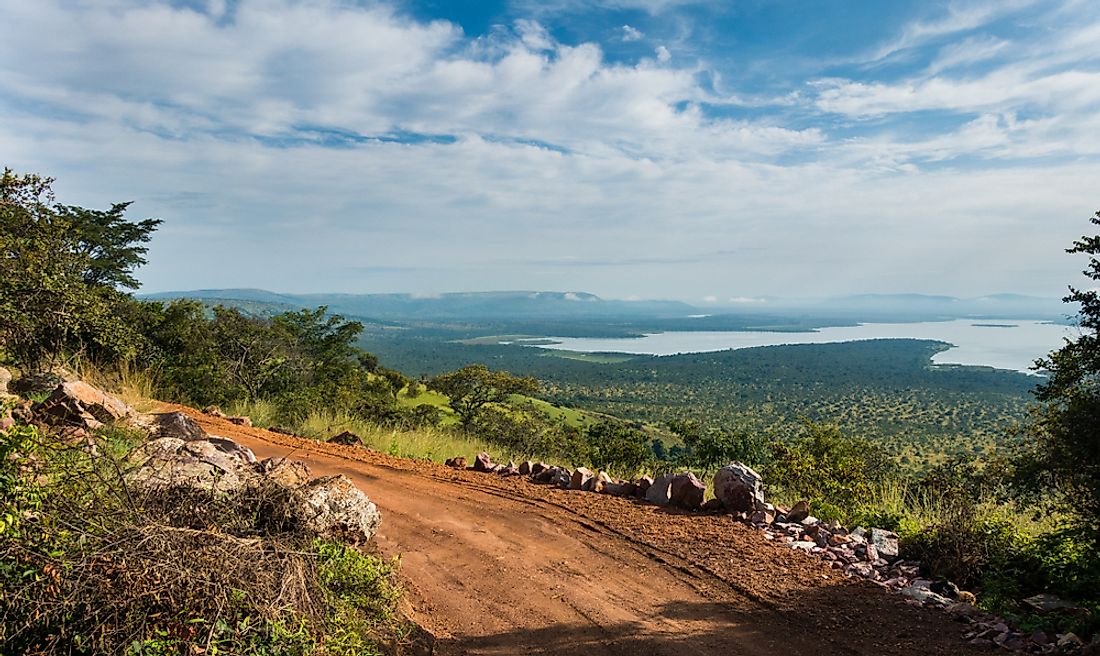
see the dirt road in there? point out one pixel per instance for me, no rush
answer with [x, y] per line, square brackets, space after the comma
[505, 566]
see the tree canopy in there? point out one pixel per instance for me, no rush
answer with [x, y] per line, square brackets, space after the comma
[61, 268]
[472, 388]
[1062, 456]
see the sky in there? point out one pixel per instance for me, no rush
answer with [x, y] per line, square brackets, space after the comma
[720, 152]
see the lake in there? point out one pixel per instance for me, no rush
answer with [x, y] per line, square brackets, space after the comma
[1003, 344]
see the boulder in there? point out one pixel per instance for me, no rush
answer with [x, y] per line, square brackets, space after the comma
[686, 491]
[799, 512]
[285, 472]
[739, 487]
[538, 468]
[1048, 603]
[925, 596]
[176, 424]
[77, 404]
[560, 476]
[614, 489]
[36, 383]
[457, 462]
[641, 486]
[213, 411]
[483, 463]
[347, 438]
[597, 482]
[213, 465]
[886, 543]
[713, 505]
[580, 477]
[525, 468]
[508, 470]
[658, 491]
[334, 508]
[240, 421]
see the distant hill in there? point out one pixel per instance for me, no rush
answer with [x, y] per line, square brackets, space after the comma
[508, 305]
[537, 306]
[1011, 306]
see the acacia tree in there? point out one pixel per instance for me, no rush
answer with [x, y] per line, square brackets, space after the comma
[60, 270]
[472, 388]
[1062, 456]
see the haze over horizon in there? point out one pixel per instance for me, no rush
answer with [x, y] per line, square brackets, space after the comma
[629, 148]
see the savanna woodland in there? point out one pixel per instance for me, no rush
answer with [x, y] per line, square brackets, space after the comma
[89, 566]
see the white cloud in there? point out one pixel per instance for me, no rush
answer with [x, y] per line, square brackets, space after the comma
[200, 121]
[632, 34]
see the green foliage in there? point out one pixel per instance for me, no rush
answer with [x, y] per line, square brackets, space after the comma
[1059, 460]
[824, 465]
[612, 445]
[98, 567]
[60, 267]
[708, 448]
[472, 388]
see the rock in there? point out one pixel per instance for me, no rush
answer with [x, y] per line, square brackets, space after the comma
[214, 465]
[799, 512]
[945, 588]
[597, 482]
[925, 596]
[281, 430]
[483, 463]
[36, 383]
[871, 554]
[5, 378]
[616, 489]
[507, 470]
[213, 411]
[713, 505]
[538, 468]
[686, 491]
[802, 546]
[457, 462]
[1040, 638]
[1070, 641]
[580, 477]
[334, 508]
[347, 438]
[886, 543]
[739, 487]
[286, 472]
[560, 476]
[177, 424]
[658, 491]
[641, 486]
[240, 421]
[1046, 603]
[77, 404]
[525, 468]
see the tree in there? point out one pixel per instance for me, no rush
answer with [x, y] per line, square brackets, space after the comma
[472, 388]
[614, 445]
[1061, 456]
[708, 448]
[60, 269]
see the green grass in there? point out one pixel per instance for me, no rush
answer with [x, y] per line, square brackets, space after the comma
[596, 358]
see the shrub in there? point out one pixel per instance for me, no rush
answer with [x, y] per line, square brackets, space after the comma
[91, 566]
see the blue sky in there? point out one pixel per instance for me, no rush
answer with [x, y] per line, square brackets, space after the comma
[630, 148]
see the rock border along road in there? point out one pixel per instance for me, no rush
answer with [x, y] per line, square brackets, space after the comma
[505, 566]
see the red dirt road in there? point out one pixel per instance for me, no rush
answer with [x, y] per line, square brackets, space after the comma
[505, 566]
